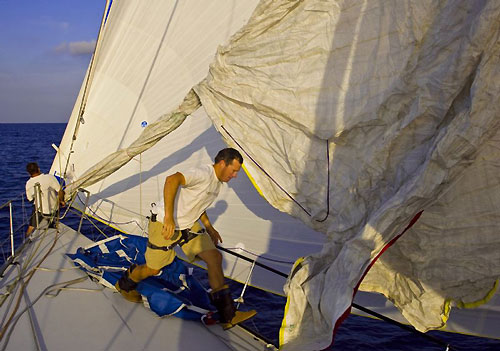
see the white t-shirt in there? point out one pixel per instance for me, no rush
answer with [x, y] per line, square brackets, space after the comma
[201, 189]
[49, 187]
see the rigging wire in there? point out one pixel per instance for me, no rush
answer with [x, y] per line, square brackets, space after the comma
[47, 292]
[436, 340]
[328, 183]
[27, 262]
[94, 214]
[29, 275]
[258, 255]
[281, 187]
[24, 284]
[91, 222]
[85, 90]
[355, 305]
[266, 173]
[24, 277]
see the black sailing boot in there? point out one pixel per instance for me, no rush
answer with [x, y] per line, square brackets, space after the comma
[229, 316]
[126, 286]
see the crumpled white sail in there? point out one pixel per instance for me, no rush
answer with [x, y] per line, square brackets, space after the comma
[406, 95]
[353, 117]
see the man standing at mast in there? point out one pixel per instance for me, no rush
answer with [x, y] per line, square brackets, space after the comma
[186, 197]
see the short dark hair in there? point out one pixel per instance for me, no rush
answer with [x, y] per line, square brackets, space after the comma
[32, 168]
[228, 155]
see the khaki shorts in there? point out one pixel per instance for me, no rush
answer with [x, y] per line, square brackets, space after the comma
[157, 259]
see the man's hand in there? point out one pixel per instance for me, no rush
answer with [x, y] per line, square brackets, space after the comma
[172, 184]
[60, 196]
[214, 235]
[168, 228]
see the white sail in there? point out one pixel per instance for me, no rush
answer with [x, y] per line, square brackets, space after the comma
[385, 109]
[142, 71]
[353, 117]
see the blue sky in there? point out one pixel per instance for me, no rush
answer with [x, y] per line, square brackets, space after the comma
[45, 48]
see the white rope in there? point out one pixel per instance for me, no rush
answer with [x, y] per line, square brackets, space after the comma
[46, 291]
[55, 269]
[20, 279]
[51, 293]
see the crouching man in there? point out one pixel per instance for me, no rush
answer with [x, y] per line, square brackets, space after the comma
[191, 193]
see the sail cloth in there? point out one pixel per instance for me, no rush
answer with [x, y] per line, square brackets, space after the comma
[358, 116]
[174, 291]
[152, 134]
[355, 117]
[150, 56]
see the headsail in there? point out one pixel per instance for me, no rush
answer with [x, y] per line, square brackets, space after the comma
[353, 117]
[150, 58]
[405, 96]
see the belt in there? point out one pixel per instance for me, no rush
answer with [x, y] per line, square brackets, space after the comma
[186, 236]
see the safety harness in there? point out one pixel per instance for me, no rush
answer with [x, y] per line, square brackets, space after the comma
[186, 236]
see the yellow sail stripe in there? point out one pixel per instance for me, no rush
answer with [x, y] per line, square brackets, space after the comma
[482, 301]
[252, 180]
[283, 322]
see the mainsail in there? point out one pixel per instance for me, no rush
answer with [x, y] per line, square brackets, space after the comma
[353, 117]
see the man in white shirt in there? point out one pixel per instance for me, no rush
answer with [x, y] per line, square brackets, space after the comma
[194, 190]
[51, 195]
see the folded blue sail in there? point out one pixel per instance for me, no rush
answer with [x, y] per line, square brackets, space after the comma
[173, 292]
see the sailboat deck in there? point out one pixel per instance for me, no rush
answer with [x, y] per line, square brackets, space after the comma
[97, 318]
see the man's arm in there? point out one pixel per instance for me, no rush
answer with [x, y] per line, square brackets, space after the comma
[214, 234]
[57, 187]
[61, 197]
[29, 194]
[172, 184]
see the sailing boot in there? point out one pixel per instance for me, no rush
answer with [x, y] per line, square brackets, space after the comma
[229, 316]
[126, 286]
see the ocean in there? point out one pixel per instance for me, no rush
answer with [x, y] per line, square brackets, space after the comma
[23, 143]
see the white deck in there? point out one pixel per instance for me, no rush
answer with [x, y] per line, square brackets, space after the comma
[88, 317]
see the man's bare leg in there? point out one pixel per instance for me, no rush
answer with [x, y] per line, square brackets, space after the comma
[142, 272]
[213, 259]
[29, 230]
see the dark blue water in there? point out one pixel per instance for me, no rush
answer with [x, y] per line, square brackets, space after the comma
[23, 143]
